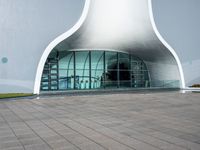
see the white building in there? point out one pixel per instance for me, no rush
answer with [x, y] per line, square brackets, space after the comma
[98, 44]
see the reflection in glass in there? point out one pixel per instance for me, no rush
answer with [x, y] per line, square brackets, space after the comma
[82, 77]
[65, 70]
[111, 65]
[97, 69]
[124, 70]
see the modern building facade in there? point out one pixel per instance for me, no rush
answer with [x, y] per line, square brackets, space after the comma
[114, 44]
[93, 69]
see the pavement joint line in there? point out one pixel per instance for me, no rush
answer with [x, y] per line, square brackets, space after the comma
[72, 129]
[12, 131]
[130, 137]
[109, 136]
[86, 136]
[54, 131]
[33, 131]
[74, 109]
[152, 136]
[92, 139]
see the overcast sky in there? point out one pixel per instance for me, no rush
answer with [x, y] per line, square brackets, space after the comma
[179, 23]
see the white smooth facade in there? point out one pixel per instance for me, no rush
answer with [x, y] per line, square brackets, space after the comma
[123, 25]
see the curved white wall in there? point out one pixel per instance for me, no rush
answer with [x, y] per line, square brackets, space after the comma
[125, 25]
[180, 28]
[54, 43]
[26, 28]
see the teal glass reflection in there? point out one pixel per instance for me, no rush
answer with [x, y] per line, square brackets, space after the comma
[66, 70]
[97, 69]
[82, 78]
[49, 79]
[111, 70]
[124, 70]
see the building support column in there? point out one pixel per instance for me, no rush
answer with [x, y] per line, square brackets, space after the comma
[130, 69]
[57, 59]
[104, 69]
[118, 73]
[74, 54]
[90, 70]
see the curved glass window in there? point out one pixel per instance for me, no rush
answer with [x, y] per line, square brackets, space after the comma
[97, 69]
[111, 69]
[82, 77]
[66, 70]
[71, 70]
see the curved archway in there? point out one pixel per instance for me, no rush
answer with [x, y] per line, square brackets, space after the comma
[125, 28]
[55, 42]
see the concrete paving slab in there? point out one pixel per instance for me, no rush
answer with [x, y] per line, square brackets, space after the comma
[111, 121]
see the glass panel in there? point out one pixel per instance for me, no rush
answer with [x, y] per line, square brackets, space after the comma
[124, 61]
[53, 55]
[111, 70]
[97, 78]
[66, 71]
[121, 70]
[139, 73]
[66, 79]
[124, 70]
[66, 60]
[82, 70]
[97, 71]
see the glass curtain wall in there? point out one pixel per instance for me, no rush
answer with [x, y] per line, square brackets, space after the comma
[66, 70]
[71, 70]
[139, 73]
[124, 70]
[50, 74]
[97, 69]
[82, 67]
[111, 69]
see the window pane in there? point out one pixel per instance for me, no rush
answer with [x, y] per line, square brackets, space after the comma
[82, 70]
[124, 61]
[124, 70]
[97, 78]
[66, 70]
[97, 60]
[111, 70]
[66, 60]
[121, 70]
[97, 71]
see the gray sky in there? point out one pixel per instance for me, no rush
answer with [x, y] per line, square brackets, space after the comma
[178, 21]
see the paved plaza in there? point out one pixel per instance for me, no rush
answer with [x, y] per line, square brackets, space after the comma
[129, 121]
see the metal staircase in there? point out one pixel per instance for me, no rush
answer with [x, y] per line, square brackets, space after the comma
[50, 77]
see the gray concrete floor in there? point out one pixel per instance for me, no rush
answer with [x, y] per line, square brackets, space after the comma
[151, 121]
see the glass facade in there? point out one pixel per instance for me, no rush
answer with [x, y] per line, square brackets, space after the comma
[79, 70]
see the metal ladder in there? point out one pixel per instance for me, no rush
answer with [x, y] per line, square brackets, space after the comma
[50, 76]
